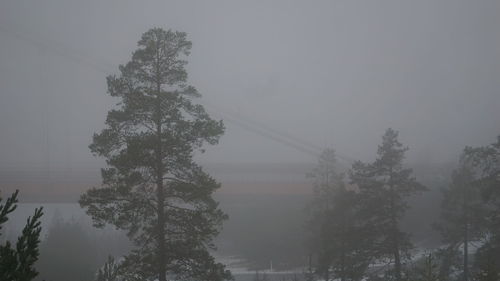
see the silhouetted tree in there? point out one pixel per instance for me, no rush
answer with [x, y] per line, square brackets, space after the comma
[338, 238]
[384, 187]
[152, 188]
[485, 162]
[463, 212]
[17, 264]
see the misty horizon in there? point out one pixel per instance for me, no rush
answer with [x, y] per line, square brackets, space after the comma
[320, 74]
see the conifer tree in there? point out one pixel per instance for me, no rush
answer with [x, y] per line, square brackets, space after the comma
[17, 262]
[463, 212]
[485, 162]
[62, 238]
[338, 238]
[385, 186]
[152, 188]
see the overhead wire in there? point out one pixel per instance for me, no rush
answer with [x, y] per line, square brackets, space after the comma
[244, 123]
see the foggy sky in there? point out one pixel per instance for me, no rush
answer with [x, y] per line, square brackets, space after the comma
[330, 73]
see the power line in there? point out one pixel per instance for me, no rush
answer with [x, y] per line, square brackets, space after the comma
[59, 50]
[105, 67]
[266, 134]
[276, 134]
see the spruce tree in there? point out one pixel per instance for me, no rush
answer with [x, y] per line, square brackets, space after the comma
[152, 188]
[17, 263]
[384, 188]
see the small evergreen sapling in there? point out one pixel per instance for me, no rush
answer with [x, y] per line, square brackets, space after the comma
[17, 262]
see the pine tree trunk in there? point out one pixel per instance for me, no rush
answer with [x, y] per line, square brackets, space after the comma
[343, 250]
[310, 277]
[394, 230]
[162, 261]
[466, 241]
[342, 264]
[161, 233]
[397, 257]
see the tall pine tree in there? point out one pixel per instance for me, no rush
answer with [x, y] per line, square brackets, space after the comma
[152, 188]
[384, 187]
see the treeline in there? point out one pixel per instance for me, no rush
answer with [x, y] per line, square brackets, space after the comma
[89, 250]
[354, 220]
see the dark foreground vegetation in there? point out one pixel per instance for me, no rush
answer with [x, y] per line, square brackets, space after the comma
[17, 261]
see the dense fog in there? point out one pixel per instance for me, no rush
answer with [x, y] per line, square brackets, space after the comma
[358, 140]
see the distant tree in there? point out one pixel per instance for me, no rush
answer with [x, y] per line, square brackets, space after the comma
[338, 239]
[463, 212]
[385, 186]
[427, 269]
[485, 162]
[152, 188]
[18, 264]
[262, 230]
[67, 253]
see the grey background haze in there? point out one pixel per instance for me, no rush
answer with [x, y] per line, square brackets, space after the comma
[330, 73]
